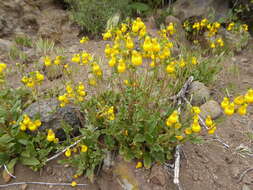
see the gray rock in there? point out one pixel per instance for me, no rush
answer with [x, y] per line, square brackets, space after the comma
[199, 92]
[158, 176]
[235, 41]
[54, 117]
[184, 9]
[108, 162]
[5, 45]
[246, 187]
[211, 108]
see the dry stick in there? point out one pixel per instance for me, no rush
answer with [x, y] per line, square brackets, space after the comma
[9, 173]
[40, 183]
[204, 124]
[178, 98]
[60, 153]
[243, 174]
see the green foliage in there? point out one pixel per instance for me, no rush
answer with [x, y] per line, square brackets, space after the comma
[92, 15]
[16, 145]
[23, 41]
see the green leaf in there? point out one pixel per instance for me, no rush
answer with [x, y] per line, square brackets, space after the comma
[23, 141]
[138, 138]
[4, 157]
[147, 161]
[32, 161]
[142, 7]
[5, 139]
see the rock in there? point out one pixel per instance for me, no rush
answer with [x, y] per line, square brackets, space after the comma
[184, 9]
[108, 162]
[246, 187]
[200, 93]
[24, 187]
[53, 117]
[180, 35]
[235, 40]
[211, 108]
[158, 176]
[6, 45]
[125, 174]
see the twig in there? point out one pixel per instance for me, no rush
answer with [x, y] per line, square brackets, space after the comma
[60, 153]
[6, 169]
[179, 97]
[40, 183]
[243, 174]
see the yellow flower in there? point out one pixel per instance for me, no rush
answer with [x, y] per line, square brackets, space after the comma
[225, 102]
[220, 42]
[126, 82]
[68, 153]
[194, 61]
[56, 140]
[212, 130]
[152, 64]
[107, 35]
[195, 127]
[50, 135]
[179, 137]
[84, 39]
[229, 109]
[121, 66]
[47, 61]
[196, 110]
[178, 125]
[32, 127]
[172, 119]
[126, 132]
[39, 76]
[170, 68]
[22, 127]
[147, 45]
[96, 69]
[230, 26]
[73, 184]
[92, 82]
[242, 110]
[2, 67]
[136, 58]
[37, 123]
[138, 165]
[239, 100]
[212, 45]
[203, 22]
[181, 63]
[209, 121]
[129, 43]
[156, 46]
[249, 96]
[245, 27]
[171, 29]
[76, 58]
[196, 26]
[84, 148]
[188, 131]
[123, 28]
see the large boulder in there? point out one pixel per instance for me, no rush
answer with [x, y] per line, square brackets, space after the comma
[54, 117]
[184, 9]
[211, 108]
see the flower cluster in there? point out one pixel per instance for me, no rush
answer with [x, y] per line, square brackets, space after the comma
[82, 58]
[33, 79]
[28, 123]
[108, 112]
[84, 40]
[79, 147]
[78, 93]
[238, 105]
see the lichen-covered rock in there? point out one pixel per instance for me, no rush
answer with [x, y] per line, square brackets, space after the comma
[54, 117]
[211, 108]
[199, 93]
[184, 9]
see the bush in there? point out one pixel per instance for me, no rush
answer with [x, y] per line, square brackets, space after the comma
[92, 15]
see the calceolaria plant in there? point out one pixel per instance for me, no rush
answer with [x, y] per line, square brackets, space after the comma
[125, 101]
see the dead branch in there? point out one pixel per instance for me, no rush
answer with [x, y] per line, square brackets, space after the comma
[243, 174]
